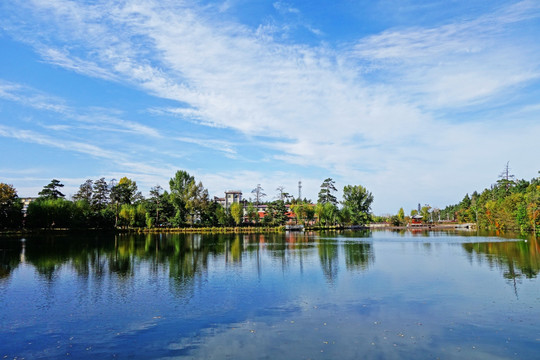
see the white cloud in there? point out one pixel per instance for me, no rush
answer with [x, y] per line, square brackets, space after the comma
[100, 118]
[63, 59]
[458, 64]
[219, 145]
[370, 112]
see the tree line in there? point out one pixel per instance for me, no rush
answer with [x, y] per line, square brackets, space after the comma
[509, 204]
[107, 205]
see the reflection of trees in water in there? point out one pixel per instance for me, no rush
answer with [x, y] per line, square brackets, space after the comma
[358, 255]
[10, 257]
[328, 254]
[286, 248]
[357, 252]
[184, 257]
[517, 259]
[84, 254]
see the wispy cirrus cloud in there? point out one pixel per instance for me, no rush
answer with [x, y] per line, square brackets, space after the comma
[100, 118]
[30, 97]
[219, 145]
[37, 138]
[358, 110]
[457, 64]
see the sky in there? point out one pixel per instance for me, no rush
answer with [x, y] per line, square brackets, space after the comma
[419, 102]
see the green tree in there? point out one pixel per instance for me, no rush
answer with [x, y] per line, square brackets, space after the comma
[179, 186]
[51, 213]
[237, 213]
[209, 214]
[401, 215]
[50, 191]
[100, 194]
[85, 192]
[155, 203]
[326, 195]
[345, 216]
[305, 213]
[10, 207]
[223, 216]
[132, 215]
[277, 212]
[309, 211]
[319, 212]
[425, 212]
[252, 213]
[196, 200]
[125, 192]
[358, 199]
[331, 213]
[298, 211]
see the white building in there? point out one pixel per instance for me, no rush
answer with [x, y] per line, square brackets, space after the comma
[231, 197]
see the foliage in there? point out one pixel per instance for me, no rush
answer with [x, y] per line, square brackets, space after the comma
[358, 200]
[304, 212]
[425, 211]
[100, 194]
[326, 195]
[50, 191]
[10, 207]
[98, 205]
[196, 200]
[85, 191]
[507, 205]
[180, 187]
[208, 216]
[276, 213]
[125, 192]
[395, 220]
[327, 213]
[133, 215]
[237, 212]
[346, 216]
[223, 216]
[154, 204]
[52, 213]
[252, 213]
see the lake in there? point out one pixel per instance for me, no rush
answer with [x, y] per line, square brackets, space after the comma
[348, 295]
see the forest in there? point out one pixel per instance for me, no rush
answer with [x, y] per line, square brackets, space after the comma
[509, 204]
[99, 204]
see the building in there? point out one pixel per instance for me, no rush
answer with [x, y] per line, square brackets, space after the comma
[231, 197]
[416, 220]
[25, 202]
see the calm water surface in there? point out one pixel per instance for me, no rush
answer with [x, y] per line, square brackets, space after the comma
[355, 295]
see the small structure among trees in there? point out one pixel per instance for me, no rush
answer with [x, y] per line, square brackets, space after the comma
[416, 220]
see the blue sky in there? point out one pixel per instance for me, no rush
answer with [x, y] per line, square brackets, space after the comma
[420, 102]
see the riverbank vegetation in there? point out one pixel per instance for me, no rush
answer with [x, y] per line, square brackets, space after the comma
[507, 205]
[186, 206]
